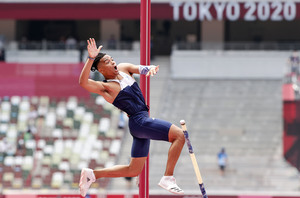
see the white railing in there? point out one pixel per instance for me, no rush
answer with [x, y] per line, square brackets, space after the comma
[236, 45]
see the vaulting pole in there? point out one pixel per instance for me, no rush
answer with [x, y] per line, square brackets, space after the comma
[145, 37]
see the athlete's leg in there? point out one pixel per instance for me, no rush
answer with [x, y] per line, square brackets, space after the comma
[139, 153]
[176, 137]
[88, 176]
[131, 170]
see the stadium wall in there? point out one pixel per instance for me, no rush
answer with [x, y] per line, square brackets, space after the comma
[39, 79]
[229, 64]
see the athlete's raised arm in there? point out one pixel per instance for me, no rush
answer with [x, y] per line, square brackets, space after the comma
[84, 81]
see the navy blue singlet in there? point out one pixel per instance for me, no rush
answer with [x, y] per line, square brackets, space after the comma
[143, 128]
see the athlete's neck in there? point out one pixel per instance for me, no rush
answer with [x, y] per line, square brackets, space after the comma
[112, 77]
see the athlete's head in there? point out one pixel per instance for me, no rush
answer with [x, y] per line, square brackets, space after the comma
[105, 64]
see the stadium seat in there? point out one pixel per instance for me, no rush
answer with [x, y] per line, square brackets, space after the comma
[72, 103]
[37, 182]
[5, 112]
[88, 117]
[30, 144]
[17, 183]
[15, 100]
[100, 100]
[9, 161]
[94, 130]
[50, 119]
[8, 178]
[111, 133]
[55, 160]
[115, 147]
[48, 150]
[68, 177]
[18, 160]
[61, 110]
[68, 149]
[3, 129]
[34, 100]
[104, 155]
[98, 145]
[57, 180]
[84, 130]
[78, 113]
[104, 125]
[27, 163]
[57, 133]
[41, 144]
[81, 165]
[46, 161]
[5, 106]
[74, 161]
[64, 166]
[68, 122]
[109, 164]
[25, 106]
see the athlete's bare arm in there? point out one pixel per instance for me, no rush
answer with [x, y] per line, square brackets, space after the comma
[89, 84]
[84, 81]
[135, 69]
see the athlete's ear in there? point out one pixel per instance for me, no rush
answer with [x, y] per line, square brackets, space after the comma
[100, 68]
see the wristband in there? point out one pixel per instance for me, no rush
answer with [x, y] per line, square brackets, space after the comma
[91, 58]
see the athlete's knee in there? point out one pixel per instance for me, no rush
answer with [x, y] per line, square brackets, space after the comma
[135, 170]
[181, 137]
[136, 166]
[176, 134]
[135, 173]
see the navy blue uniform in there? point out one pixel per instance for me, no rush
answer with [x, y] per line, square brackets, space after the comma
[143, 128]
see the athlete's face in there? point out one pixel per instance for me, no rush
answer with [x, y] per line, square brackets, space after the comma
[107, 65]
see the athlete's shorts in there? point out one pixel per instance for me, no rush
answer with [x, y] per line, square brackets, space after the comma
[143, 128]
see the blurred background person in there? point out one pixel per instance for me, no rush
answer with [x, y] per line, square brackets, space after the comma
[222, 161]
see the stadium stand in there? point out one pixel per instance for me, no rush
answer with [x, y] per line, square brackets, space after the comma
[46, 141]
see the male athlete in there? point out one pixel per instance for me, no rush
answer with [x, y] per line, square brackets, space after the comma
[120, 89]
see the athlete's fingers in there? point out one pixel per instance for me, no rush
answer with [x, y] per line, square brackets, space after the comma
[99, 48]
[152, 72]
[148, 74]
[89, 45]
[92, 43]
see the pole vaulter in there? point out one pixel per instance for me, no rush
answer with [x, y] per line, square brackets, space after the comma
[120, 89]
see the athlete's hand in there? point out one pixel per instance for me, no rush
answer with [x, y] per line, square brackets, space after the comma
[92, 48]
[153, 71]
